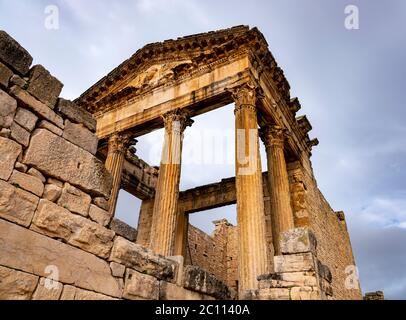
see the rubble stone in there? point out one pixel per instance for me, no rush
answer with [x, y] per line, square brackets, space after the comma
[99, 215]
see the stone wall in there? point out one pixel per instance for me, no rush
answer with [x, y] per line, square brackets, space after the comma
[57, 240]
[334, 248]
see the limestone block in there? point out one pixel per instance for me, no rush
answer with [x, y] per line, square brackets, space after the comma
[305, 293]
[142, 259]
[81, 136]
[307, 278]
[37, 106]
[13, 54]
[117, 270]
[75, 200]
[52, 192]
[76, 113]
[10, 151]
[69, 162]
[123, 229]
[26, 119]
[99, 215]
[49, 126]
[17, 205]
[56, 182]
[44, 86]
[34, 172]
[8, 107]
[294, 262]
[32, 252]
[19, 134]
[101, 203]
[27, 182]
[266, 284]
[138, 285]
[21, 167]
[55, 221]
[270, 294]
[170, 291]
[197, 279]
[5, 75]
[16, 285]
[298, 240]
[47, 289]
[73, 293]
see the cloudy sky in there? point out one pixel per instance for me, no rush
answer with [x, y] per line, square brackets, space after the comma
[350, 83]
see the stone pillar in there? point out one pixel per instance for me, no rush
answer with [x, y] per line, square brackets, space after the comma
[278, 183]
[164, 218]
[252, 256]
[117, 147]
[181, 235]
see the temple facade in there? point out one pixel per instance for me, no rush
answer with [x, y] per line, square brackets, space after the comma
[288, 242]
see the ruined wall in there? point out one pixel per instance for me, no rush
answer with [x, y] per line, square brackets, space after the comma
[333, 242]
[53, 202]
[217, 253]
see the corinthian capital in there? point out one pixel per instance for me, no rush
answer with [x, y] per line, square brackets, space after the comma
[120, 142]
[273, 135]
[245, 96]
[177, 120]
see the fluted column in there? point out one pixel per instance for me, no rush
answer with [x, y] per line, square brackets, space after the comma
[250, 202]
[117, 146]
[164, 218]
[278, 183]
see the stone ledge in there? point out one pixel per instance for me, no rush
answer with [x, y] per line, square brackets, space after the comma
[13, 54]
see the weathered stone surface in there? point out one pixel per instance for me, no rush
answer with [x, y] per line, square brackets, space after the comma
[138, 285]
[376, 295]
[81, 136]
[10, 150]
[117, 270]
[47, 289]
[19, 134]
[26, 119]
[142, 259]
[27, 182]
[17, 205]
[16, 285]
[52, 192]
[324, 272]
[13, 54]
[44, 86]
[18, 81]
[101, 203]
[307, 278]
[21, 167]
[268, 294]
[34, 172]
[75, 200]
[56, 182]
[5, 133]
[99, 215]
[8, 107]
[73, 293]
[197, 279]
[305, 293]
[32, 252]
[123, 229]
[298, 240]
[5, 75]
[49, 126]
[294, 262]
[55, 221]
[170, 291]
[63, 160]
[27, 100]
[76, 113]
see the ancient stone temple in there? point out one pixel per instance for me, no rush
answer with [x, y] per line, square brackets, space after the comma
[62, 164]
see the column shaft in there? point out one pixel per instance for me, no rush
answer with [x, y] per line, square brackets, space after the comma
[250, 202]
[278, 184]
[167, 190]
[117, 147]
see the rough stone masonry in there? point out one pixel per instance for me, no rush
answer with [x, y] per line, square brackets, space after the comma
[62, 164]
